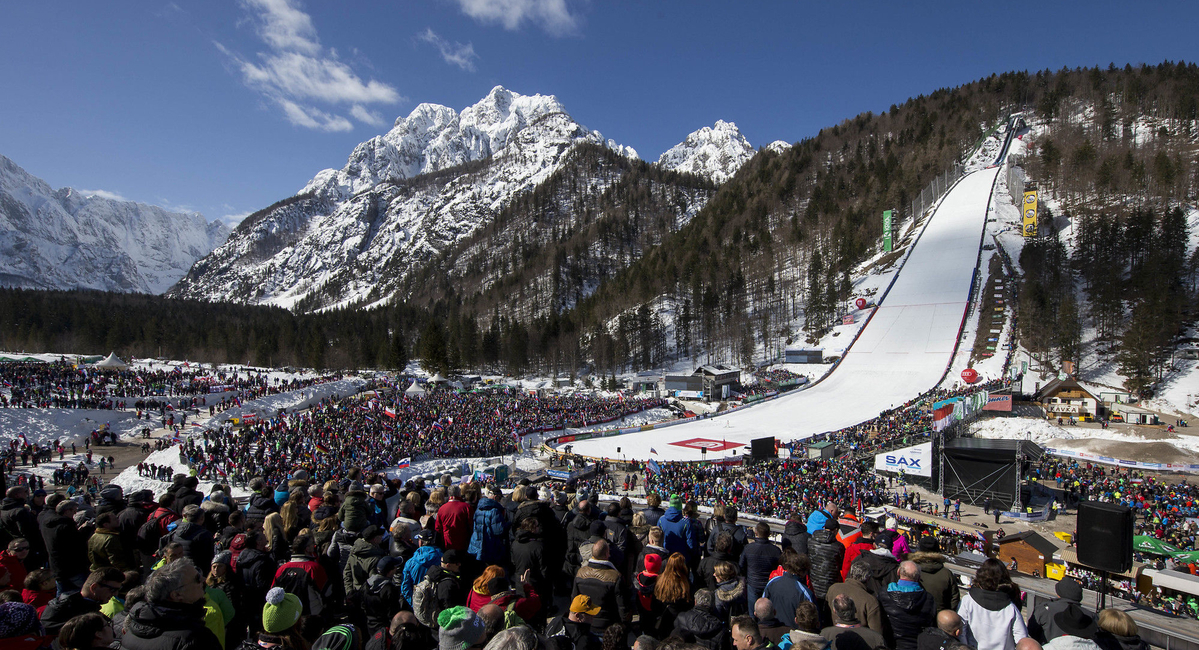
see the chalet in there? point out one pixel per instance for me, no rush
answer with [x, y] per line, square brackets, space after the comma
[1067, 398]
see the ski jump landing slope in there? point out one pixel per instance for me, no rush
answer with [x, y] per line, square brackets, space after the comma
[902, 352]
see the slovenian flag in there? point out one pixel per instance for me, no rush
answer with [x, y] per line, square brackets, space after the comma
[404, 463]
[389, 413]
[653, 451]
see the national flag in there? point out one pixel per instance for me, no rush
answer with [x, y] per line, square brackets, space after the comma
[139, 380]
[653, 466]
[942, 417]
[321, 448]
[389, 413]
[653, 451]
[404, 463]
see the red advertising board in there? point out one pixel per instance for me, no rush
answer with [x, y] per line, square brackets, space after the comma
[998, 402]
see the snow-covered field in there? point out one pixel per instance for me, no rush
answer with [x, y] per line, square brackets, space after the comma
[1121, 441]
[902, 352]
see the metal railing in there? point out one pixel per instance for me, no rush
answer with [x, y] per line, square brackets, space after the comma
[935, 190]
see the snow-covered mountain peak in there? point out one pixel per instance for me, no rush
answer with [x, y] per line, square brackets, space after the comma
[66, 239]
[716, 152]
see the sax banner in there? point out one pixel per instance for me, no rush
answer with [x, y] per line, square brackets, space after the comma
[1030, 213]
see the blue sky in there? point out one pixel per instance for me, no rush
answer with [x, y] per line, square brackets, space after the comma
[226, 107]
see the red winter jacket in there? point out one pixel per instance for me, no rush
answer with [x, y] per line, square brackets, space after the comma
[455, 524]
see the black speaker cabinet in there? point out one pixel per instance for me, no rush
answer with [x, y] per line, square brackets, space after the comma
[1105, 536]
[761, 448]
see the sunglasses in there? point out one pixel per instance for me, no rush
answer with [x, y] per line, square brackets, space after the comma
[20, 548]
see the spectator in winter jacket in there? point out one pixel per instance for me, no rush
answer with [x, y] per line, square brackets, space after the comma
[603, 583]
[869, 612]
[816, 520]
[427, 556]
[261, 503]
[618, 536]
[937, 580]
[576, 624]
[759, 559]
[700, 625]
[746, 634]
[654, 546]
[19, 521]
[1117, 631]
[788, 590]
[104, 549]
[1078, 630]
[899, 548]
[502, 594]
[826, 554]
[643, 587]
[989, 609]
[948, 632]
[141, 504]
[882, 566]
[303, 552]
[381, 599]
[909, 608]
[255, 569]
[706, 574]
[677, 533]
[364, 555]
[454, 522]
[99, 587]
[796, 535]
[112, 499]
[66, 546]
[849, 527]
[1040, 623]
[864, 544]
[529, 557]
[12, 564]
[447, 580]
[846, 614]
[769, 625]
[730, 594]
[173, 617]
[653, 511]
[489, 534]
[353, 511]
[728, 524]
[376, 505]
[198, 542]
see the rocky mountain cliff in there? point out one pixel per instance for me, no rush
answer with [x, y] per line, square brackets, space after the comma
[404, 199]
[65, 239]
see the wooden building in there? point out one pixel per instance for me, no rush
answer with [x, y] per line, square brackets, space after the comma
[1030, 550]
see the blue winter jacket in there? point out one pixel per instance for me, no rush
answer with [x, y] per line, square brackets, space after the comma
[489, 539]
[816, 521]
[417, 566]
[678, 536]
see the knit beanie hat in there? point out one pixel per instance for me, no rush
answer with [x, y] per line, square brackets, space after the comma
[281, 611]
[224, 557]
[18, 619]
[460, 628]
[653, 563]
[676, 502]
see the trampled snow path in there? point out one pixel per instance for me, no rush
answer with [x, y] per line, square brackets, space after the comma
[901, 353]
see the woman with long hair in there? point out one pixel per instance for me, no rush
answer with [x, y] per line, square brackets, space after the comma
[990, 612]
[276, 538]
[672, 594]
[295, 514]
[479, 594]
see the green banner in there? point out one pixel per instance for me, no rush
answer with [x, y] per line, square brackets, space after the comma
[887, 243]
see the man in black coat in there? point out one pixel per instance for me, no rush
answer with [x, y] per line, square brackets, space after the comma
[909, 608]
[758, 560]
[173, 616]
[795, 534]
[882, 566]
[728, 524]
[827, 554]
[256, 571]
[617, 534]
[99, 588]
[19, 521]
[699, 625]
[66, 547]
[947, 633]
[262, 501]
[198, 542]
[447, 580]
[187, 494]
[653, 511]
[141, 504]
[707, 568]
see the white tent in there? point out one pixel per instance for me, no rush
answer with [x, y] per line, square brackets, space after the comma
[415, 390]
[438, 379]
[112, 361]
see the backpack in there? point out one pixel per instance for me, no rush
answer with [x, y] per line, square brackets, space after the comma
[424, 602]
[149, 534]
[295, 580]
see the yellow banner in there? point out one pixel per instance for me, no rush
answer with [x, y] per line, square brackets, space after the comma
[1030, 213]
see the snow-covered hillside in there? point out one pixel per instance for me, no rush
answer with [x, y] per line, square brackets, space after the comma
[716, 152]
[64, 239]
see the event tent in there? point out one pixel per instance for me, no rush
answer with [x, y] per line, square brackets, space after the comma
[112, 361]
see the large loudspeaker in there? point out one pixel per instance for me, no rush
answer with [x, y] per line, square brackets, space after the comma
[1105, 536]
[761, 448]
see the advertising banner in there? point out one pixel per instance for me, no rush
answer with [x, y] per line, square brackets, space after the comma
[887, 229]
[1030, 213]
[916, 460]
[999, 402]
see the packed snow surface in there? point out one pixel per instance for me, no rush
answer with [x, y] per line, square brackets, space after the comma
[902, 352]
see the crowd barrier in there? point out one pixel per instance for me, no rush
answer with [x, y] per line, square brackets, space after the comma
[1191, 468]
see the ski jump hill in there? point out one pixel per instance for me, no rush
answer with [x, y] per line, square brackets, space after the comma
[902, 352]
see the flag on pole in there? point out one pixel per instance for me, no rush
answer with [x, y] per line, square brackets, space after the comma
[404, 463]
[389, 413]
[653, 466]
[653, 451]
